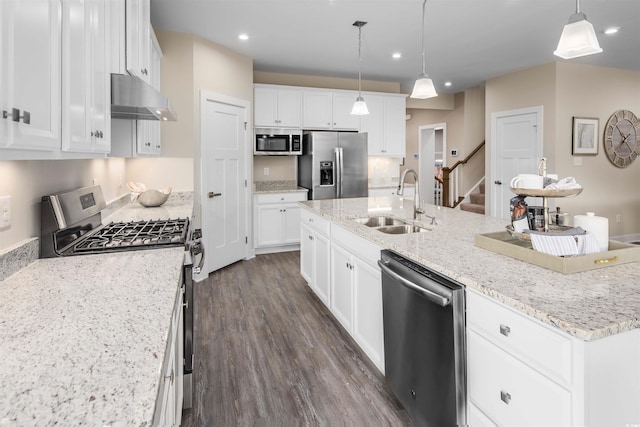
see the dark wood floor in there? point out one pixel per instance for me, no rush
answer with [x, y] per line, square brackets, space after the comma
[269, 353]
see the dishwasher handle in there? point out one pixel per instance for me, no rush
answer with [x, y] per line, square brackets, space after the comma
[432, 291]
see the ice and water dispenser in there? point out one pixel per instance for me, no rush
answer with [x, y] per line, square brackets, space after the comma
[326, 173]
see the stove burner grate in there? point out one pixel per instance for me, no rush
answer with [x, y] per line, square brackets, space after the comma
[134, 235]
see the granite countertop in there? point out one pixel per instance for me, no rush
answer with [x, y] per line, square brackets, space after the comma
[588, 305]
[266, 187]
[83, 337]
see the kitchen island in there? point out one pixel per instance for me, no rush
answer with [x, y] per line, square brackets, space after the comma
[84, 337]
[535, 338]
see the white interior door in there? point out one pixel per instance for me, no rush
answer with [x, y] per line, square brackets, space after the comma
[224, 207]
[516, 148]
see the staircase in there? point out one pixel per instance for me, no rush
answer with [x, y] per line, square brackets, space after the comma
[477, 202]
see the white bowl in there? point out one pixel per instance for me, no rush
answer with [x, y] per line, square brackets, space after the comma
[154, 198]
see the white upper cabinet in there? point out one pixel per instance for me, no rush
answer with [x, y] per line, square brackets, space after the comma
[275, 107]
[30, 75]
[329, 110]
[138, 49]
[86, 84]
[386, 125]
[148, 141]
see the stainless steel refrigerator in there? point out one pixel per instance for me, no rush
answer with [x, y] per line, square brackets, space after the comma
[334, 165]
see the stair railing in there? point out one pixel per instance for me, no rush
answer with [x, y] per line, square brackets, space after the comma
[451, 180]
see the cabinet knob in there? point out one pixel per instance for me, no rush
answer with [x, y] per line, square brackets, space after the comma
[158, 146]
[310, 237]
[310, 219]
[505, 397]
[505, 330]
[147, 144]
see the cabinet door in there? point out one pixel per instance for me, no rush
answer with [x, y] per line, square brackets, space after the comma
[30, 74]
[342, 286]
[289, 108]
[342, 117]
[138, 15]
[373, 125]
[395, 126]
[322, 268]
[316, 110]
[270, 221]
[265, 111]
[307, 254]
[367, 322]
[86, 87]
[291, 228]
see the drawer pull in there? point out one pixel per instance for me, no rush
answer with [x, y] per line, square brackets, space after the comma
[505, 330]
[606, 261]
[310, 237]
[505, 397]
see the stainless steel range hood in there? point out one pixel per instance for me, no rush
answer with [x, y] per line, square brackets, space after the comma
[133, 98]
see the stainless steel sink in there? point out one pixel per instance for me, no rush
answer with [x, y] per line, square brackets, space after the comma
[379, 221]
[402, 229]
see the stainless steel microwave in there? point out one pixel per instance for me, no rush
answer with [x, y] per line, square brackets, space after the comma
[279, 142]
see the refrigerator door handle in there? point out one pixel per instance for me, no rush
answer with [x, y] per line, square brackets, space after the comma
[339, 171]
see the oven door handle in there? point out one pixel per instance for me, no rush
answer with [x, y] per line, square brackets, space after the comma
[198, 249]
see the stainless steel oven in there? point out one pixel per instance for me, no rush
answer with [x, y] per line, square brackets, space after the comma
[278, 142]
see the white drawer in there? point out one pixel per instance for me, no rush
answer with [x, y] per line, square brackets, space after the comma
[530, 341]
[477, 418]
[281, 197]
[510, 392]
[314, 221]
[360, 247]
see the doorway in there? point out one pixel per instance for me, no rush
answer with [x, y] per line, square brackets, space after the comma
[224, 192]
[516, 147]
[432, 149]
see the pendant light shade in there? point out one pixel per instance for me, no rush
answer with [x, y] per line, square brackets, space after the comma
[578, 37]
[423, 88]
[359, 107]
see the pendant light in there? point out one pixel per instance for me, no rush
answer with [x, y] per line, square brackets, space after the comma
[359, 107]
[578, 37]
[423, 88]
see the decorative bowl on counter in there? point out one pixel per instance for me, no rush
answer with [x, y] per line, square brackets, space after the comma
[154, 198]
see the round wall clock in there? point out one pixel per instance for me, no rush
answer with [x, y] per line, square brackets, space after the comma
[622, 138]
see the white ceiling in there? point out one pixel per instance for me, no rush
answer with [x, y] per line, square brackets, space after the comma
[467, 41]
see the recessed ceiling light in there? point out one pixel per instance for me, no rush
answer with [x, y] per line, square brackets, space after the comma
[396, 55]
[611, 30]
[243, 36]
[447, 84]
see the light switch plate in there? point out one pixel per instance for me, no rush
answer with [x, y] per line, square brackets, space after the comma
[5, 211]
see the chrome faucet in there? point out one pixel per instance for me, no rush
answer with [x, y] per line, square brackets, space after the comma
[416, 197]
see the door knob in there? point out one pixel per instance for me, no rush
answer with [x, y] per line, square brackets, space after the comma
[212, 194]
[497, 182]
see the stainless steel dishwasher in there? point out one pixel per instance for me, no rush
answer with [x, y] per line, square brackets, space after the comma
[424, 341]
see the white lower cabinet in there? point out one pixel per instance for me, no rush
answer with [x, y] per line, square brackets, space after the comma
[522, 372]
[170, 394]
[342, 270]
[277, 221]
[315, 253]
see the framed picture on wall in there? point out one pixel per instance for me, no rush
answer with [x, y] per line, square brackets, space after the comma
[585, 136]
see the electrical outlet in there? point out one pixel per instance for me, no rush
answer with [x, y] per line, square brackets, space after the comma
[618, 218]
[577, 161]
[5, 211]
[266, 172]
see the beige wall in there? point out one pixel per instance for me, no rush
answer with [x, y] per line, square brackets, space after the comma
[588, 91]
[281, 168]
[324, 82]
[464, 131]
[565, 90]
[27, 181]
